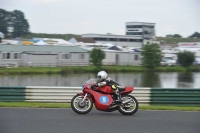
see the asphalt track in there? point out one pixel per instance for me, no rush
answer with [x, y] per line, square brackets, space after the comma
[27, 120]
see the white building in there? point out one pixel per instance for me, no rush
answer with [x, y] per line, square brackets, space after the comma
[1, 36]
[141, 29]
[189, 46]
[136, 35]
[121, 40]
[44, 55]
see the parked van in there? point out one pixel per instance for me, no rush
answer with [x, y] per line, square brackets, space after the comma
[169, 60]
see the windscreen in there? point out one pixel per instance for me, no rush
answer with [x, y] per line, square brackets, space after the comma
[91, 81]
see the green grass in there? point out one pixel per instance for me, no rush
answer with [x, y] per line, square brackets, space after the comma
[178, 108]
[67, 105]
[35, 105]
[91, 69]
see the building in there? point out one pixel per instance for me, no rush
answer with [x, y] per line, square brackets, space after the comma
[141, 29]
[136, 35]
[1, 36]
[121, 40]
[122, 58]
[83, 40]
[22, 55]
[52, 56]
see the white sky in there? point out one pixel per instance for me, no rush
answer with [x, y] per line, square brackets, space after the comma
[107, 16]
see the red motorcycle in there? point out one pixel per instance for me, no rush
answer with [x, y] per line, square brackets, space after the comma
[104, 99]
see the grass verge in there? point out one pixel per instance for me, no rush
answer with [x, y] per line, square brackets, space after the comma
[91, 69]
[67, 105]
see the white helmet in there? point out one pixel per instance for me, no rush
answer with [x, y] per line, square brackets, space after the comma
[102, 75]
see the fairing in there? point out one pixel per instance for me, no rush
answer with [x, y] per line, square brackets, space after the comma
[101, 96]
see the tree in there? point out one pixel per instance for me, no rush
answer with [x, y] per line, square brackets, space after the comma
[19, 23]
[169, 36]
[177, 36]
[174, 36]
[3, 21]
[186, 58]
[151, 56]
[15, 20]
[195, 34]
[96, 57]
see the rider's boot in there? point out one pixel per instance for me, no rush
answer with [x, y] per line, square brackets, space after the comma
[117, 96]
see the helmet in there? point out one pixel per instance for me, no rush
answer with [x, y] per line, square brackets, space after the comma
[102, 75]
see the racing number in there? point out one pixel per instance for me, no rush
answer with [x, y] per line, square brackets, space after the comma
[104, 99]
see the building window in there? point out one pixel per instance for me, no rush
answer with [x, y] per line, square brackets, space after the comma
[150, 27]
[102, 39]
[112, 39]
[82, 56]
[97, 39]
[136, 57]
[6, 56]
[134, 26]
[134, 33]
[66, 56]
[123, 40]
[17, 56]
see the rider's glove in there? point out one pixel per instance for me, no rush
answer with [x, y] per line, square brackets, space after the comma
[96, 85]
[93, 86]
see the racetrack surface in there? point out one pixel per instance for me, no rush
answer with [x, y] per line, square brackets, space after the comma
[27, 120]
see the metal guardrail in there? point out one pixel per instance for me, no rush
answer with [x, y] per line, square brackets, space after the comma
[145, 96]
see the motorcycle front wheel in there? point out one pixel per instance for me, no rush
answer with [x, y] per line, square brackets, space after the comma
[81, 107]
[129, 108]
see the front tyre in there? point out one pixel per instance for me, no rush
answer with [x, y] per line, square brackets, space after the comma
[129, 108]
[81, 107]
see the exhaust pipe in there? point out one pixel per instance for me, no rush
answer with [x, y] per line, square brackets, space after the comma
[113, 106]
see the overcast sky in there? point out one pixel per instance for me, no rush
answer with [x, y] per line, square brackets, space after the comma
[107, 16]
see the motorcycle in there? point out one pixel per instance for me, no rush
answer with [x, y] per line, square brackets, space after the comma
[104, 99]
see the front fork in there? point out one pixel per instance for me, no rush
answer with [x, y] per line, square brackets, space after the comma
[84, 98]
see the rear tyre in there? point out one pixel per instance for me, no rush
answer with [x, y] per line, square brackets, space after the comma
[129, 108]
[81, 107]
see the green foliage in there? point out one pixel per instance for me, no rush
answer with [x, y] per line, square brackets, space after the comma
[186, 58]
[16, 20]
[96, 57]
[175, 36]
[151, 56]
[92, 69]
[19, 23]
[3, 21]
[195, 35]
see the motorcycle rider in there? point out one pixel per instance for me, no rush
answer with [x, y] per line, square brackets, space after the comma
[103, 80]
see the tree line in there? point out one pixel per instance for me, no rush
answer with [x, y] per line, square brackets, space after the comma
[194, 35]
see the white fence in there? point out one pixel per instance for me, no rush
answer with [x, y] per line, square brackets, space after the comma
[65, 94]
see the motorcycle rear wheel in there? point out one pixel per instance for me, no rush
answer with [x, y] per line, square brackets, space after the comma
[129, 108]
[81, 107]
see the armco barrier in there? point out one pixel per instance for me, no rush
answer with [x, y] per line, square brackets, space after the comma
[155, 96]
